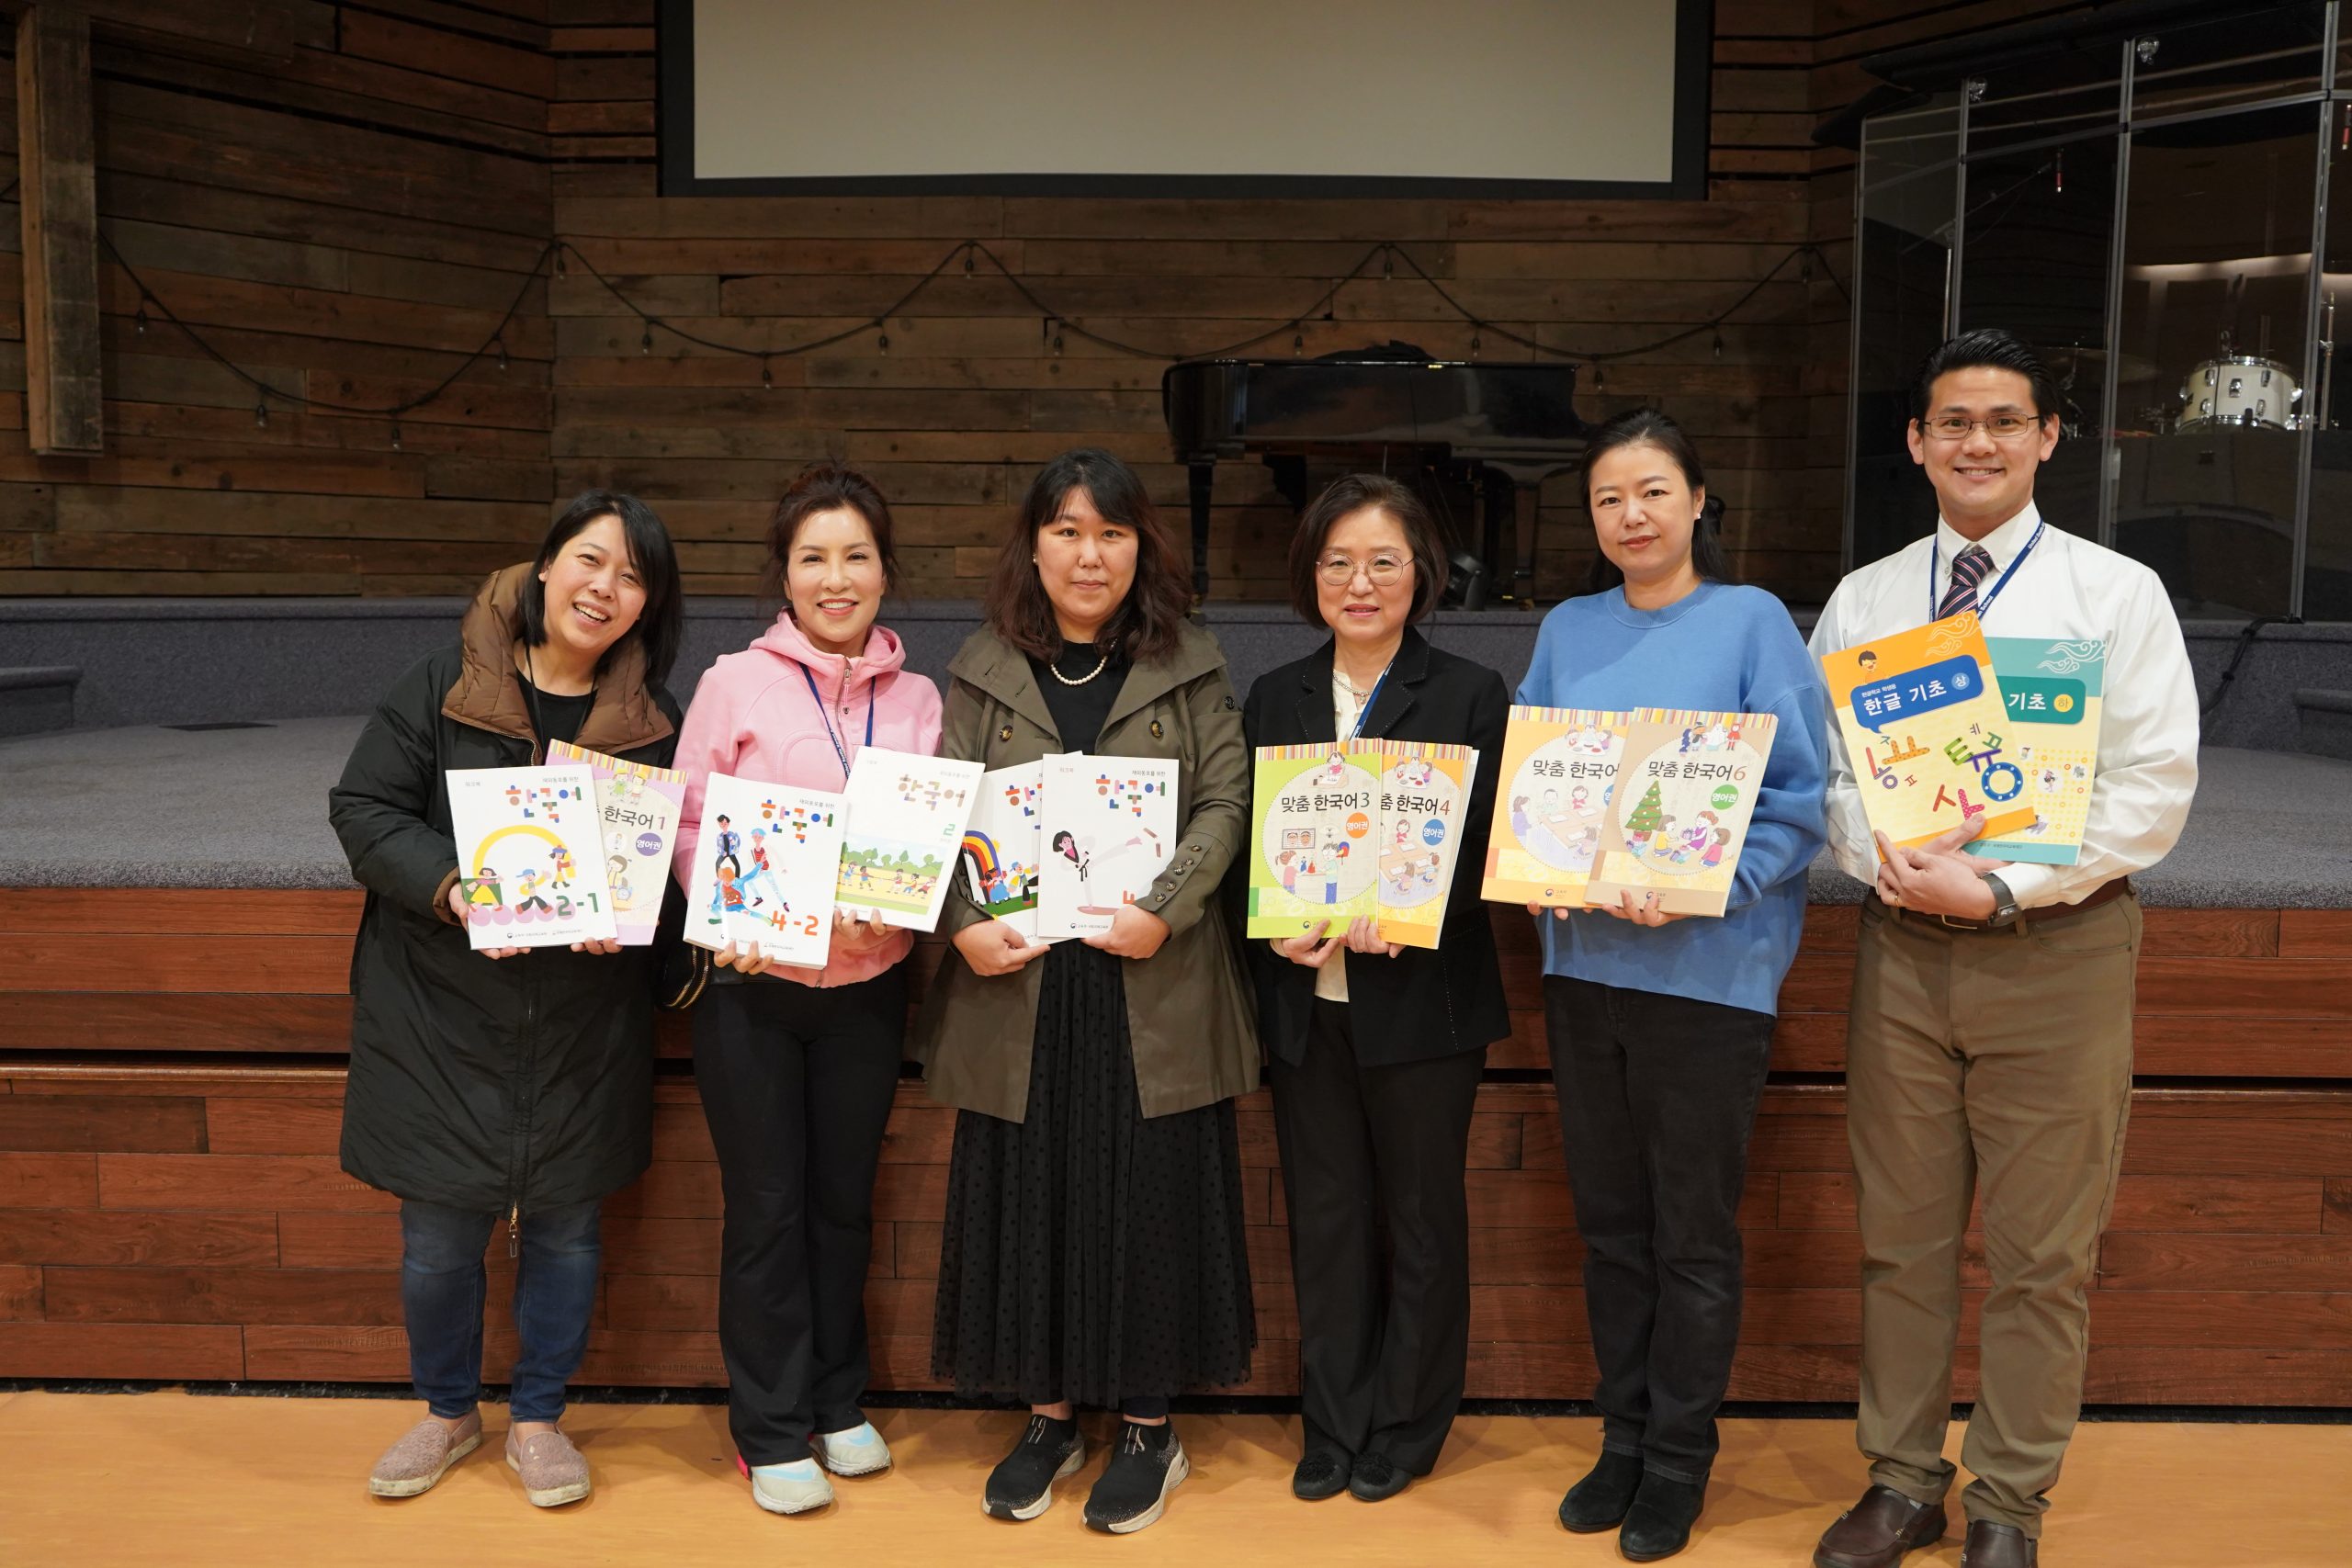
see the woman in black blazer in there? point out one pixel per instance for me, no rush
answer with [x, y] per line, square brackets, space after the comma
[1376, 1051]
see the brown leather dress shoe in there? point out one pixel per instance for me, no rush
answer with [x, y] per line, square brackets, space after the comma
[1877, 1531]
[1996, 1545]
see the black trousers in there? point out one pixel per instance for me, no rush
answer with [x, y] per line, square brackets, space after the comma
[1384, 1342]
[1658, 1097]
[796, 1084]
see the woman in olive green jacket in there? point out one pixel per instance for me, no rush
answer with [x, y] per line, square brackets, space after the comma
[1093, 1250]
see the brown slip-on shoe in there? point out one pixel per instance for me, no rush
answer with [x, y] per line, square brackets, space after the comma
[1996, 1545]
[1877, 1531]
[423, 1456]
[553, 1471]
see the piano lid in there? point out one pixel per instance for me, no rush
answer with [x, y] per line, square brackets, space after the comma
[1226, 407]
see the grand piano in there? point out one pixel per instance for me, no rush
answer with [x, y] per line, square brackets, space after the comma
[1511, 424]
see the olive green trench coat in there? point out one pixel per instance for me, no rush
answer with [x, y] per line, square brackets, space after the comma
[1189, 1018]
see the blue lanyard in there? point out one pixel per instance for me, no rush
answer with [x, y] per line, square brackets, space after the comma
[1984, 606]
[1371, 697]
[828, 718]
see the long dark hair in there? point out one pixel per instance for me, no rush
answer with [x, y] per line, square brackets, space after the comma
[1653, 427]
[1148, 622]
[661, 625]
[828, 486]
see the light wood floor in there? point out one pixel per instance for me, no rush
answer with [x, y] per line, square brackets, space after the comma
[170, 1481]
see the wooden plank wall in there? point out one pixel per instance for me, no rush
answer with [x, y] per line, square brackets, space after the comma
[970, 398]
[171, 1205]
[345, 212]
[344, 204]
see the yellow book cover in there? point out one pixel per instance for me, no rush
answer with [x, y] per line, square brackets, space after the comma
[1559, 773]
[1424, 788]
[1921, 716]
[1312, 837]
[1686, 793]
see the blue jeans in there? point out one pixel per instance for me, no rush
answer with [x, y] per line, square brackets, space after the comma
[443, 1285]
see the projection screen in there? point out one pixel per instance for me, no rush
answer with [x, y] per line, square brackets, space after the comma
[1587, 98]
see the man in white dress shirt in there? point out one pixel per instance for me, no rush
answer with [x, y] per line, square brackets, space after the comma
[1989, 1043]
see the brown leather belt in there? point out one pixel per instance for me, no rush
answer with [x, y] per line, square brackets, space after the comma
[2046, 915]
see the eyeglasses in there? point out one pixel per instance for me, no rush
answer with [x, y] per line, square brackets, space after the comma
[2000, 427]
[1385, 570]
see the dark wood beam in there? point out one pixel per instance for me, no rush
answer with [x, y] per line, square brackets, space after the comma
[58, 191]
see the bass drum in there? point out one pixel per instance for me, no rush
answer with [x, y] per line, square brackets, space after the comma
[2242, 389]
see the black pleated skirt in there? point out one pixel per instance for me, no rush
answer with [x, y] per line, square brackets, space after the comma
[1090, 1253]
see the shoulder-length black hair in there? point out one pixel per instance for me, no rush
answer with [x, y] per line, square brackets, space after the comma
[1351, 493]
[661, 625]
[1654, 427]
[1148, 622]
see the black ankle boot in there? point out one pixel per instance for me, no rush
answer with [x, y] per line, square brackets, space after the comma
[1658, 1524]
[1599, 1502]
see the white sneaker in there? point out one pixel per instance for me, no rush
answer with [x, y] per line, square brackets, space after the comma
[860, 1451]
[793, 1488]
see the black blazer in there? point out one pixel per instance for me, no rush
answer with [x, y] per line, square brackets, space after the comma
[1423, 1002]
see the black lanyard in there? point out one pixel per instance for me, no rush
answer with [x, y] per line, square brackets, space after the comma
[829, 733]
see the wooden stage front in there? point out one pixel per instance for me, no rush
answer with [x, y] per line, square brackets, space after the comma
[171, 1206]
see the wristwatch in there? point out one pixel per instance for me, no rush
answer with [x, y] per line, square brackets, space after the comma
[2005, 903]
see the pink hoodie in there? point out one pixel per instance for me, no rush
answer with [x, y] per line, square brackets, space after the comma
[752, 718]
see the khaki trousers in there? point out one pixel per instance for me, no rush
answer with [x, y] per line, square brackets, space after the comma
[1998, 1062]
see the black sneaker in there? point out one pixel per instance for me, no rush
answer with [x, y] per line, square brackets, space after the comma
[1144, 1469]
[1021, 1485]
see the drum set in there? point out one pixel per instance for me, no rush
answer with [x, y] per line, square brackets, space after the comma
[2231, 390]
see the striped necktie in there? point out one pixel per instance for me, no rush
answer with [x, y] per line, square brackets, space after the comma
[1968, 570]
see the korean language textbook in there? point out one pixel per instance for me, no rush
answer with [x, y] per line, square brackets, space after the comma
[530, 856]
[1110, 824]
[1343, 829]
[904, 826]
[638, 806]
[1684, 797]
[765, 869]
[1001, 844]
[1924, 727]
[1559, 774]
[2050, 692]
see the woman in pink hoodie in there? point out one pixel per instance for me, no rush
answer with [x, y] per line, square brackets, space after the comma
[797, 1066]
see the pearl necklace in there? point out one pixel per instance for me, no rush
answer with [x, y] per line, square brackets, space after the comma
[1102, 664]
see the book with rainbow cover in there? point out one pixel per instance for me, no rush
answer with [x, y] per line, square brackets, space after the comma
[1685, 794]
[1559, 775]
[1921, 718]
[1001, 844]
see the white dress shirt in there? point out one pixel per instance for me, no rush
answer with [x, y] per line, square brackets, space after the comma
[2069, 589]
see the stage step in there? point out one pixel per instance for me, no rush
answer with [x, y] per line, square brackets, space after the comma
[2326, 722]
[37, 698]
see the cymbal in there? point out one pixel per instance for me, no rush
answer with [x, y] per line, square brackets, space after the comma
[2073, 362]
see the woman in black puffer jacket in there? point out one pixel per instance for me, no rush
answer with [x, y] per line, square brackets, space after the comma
[503, 1090]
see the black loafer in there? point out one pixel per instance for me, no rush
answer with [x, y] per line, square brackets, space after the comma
[1374, 1478]
[1322, 1474]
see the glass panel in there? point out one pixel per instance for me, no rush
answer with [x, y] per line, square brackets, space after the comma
[1910, 173]
[2034, 260]
[2056, 94]
[2327, 562]
[2216, 265]
[2238, 58]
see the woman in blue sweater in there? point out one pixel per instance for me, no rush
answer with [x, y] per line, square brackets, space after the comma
[1660, 1027]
